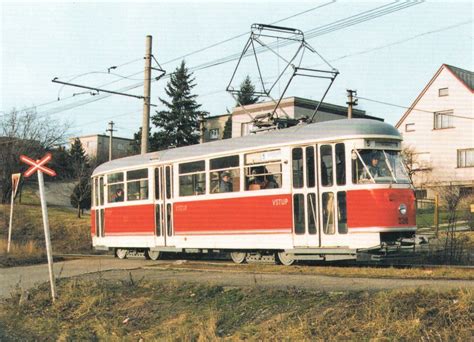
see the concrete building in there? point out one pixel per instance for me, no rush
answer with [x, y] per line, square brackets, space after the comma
[293, 107]
[214, 127]
[97, 146]
[439, 129]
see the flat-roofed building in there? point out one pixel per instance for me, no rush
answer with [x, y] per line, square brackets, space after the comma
[291, 107]
[97, 146]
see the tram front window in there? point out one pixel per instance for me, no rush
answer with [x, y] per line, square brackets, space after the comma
[378, 166]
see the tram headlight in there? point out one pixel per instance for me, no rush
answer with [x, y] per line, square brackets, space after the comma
[402, 209]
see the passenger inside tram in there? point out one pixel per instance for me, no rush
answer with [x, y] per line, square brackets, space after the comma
[118, 195]
[261, 178]
[225, 184]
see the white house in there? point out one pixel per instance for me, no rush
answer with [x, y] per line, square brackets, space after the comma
[439, 128]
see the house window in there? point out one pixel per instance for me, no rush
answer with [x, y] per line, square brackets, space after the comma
[409, 127]
[443, 119]
[443, 92]
[214, 134]
[421, 194]
[466, 157]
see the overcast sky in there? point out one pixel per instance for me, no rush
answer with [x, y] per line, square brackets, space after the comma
[386, 50]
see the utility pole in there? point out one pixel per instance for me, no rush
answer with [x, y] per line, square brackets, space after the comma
[146, 99]
[111, 130]
[351, 101]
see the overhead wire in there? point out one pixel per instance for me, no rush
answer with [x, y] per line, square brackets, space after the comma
[203, 66]
[413, 108]
[245, 33]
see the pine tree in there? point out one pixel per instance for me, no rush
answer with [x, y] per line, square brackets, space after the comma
[246, 93]
[228, 128]
[179, 124]
[77, 153]
[80, 197]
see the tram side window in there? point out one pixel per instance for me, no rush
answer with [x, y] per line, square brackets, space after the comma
[225, 174]
[157, 184]
[96, 191]
[298, 214]
[310, 170]
[326, 165]
[263, 170]
[115, 187]
[311, 213]
[169, 182]
[340, 164]
[341, 213]
[328, 213]
[137, 185]
[297, 167]
[192, 178]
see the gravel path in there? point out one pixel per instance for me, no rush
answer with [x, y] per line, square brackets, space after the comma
[109, 268]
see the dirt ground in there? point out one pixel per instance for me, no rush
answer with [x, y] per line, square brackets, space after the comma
[27, 277]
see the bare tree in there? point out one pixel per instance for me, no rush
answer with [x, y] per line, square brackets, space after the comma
[25, 132]
[451, 197]
[81, 196]
[413, 162]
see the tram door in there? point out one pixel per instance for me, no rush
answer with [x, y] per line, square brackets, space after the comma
[305, 201]
[332, 195]
[164, 205]
[99, 205]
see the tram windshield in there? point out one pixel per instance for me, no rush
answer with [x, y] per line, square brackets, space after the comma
[378, 166]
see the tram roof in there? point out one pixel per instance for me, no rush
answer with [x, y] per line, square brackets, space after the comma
[327, 130]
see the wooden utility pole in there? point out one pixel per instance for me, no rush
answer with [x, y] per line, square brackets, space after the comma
[436, 214]
[351, 101]
[146, 99]
[111, 130]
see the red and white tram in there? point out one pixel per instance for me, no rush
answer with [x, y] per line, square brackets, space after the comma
[322, 191]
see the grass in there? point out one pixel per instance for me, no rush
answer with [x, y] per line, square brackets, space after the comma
[136, 310]
[69, 234]
[21, 254]
[425, 217]
[334, 271]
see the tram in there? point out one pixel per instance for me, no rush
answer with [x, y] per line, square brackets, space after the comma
[322, 191]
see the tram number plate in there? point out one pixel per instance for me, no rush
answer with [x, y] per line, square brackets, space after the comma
[403, 220]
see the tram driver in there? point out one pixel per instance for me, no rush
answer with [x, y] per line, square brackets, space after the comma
[374, 168]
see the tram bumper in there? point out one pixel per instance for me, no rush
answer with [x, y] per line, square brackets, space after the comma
[404, 249]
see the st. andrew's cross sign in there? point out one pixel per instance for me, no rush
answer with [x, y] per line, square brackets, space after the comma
[38, 165]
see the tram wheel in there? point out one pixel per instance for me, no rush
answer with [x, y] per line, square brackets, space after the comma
[285, 259]
[152, 255]
[121, 253]
[238, 257]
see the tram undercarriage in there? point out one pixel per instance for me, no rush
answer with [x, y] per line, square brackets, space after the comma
[393, 247]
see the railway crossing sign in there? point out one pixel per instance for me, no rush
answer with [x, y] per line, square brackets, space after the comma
[38, 165]
[15, 183]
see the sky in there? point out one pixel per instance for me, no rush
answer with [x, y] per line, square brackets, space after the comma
[386, 50]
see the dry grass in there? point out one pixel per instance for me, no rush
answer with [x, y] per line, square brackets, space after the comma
[122, 311]
[68, 233]
[20, 253]
[335, 271]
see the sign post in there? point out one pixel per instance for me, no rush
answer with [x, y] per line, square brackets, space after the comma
[38, 166]
[15, 183]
